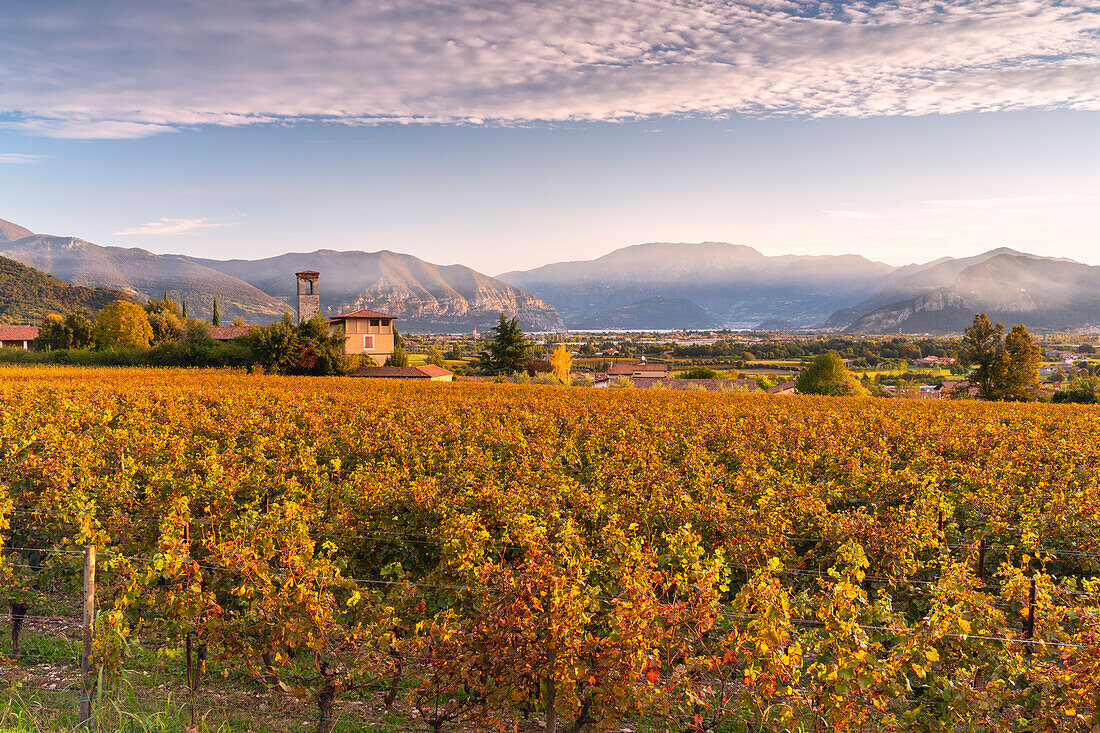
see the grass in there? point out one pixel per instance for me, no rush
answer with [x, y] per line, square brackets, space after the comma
[41, 693]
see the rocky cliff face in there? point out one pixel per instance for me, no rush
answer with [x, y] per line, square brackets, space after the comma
[424, 296]
[1040, 292]
[900, 316]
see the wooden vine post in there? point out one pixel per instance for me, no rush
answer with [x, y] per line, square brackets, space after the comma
[87, 682]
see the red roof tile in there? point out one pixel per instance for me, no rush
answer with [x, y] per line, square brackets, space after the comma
[433, 371]
[362, 313]
[18, 333]
[425, 371]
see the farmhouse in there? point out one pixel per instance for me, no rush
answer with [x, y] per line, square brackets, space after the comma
[18, 336]
[368, 332]
[638, 370]
[429, 372]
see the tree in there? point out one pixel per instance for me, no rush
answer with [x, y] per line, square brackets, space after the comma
[399, 357]
[561, 363]
[507, 351]
[1020, 372]
[1084, 390]
[122, 325]
[165, 319]
[435, 357]
[238, 321]
[699, 372]
[73, 331]
[1004, 369]
[215, 317]
[827, 375]
[305, 348]
[982, 349]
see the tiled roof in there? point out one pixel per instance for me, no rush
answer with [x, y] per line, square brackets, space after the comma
[780, 388]
[637, 367]
[362, 313]
[18, 333]
[426, 371]
[433, 371]
[228, 333]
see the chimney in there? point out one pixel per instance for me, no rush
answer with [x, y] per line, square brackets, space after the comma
[309, 296]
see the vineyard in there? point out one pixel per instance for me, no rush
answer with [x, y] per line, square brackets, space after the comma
[508, 557]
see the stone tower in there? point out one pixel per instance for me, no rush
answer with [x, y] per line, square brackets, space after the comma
[309, 296]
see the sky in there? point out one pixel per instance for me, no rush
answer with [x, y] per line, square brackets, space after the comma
[508, 134]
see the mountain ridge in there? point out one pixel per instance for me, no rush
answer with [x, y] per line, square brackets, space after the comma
[423, 295]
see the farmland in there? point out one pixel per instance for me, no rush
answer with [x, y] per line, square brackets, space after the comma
[479, 556]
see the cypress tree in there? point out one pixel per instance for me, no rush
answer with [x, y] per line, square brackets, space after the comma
[216, 318]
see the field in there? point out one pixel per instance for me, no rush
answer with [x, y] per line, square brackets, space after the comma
[359, 554]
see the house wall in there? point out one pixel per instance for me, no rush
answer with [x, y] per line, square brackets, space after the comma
[356, 328]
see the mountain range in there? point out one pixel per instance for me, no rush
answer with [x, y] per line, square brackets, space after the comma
[425, 297]
[737, 286]
[657, 285]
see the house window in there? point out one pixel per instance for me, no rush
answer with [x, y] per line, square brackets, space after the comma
[368, 342]
[374, 322]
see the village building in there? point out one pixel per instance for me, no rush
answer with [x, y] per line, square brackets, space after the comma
[787, 388]
[427, 372]
[368, 332]
[18, 337]
[638, 370]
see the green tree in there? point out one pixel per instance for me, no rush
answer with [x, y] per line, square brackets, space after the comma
[305, 348]
[699, 372]
[399, 357]
[122, 325]
[1003, 368]
[1020, 372]
[1084, 390]
[982, 349]
[165, 319]
[73, 331]
[215, 317]
[507, 351]
[827, 375]
[435, 356]
[275, 347]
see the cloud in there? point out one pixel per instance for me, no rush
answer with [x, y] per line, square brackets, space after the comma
[165, 226]
[849, 214]
[133, 68]
[19, 158]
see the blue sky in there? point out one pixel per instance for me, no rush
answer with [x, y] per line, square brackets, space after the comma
[509, 134]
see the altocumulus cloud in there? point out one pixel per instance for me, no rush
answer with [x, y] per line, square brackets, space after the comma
[131, 68]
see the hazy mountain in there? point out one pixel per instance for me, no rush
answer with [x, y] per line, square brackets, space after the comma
[144, 275]
[656, 313]
[10, 232]
[1041, 292]
[425, 297]
[737, 286]
[27, 295]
